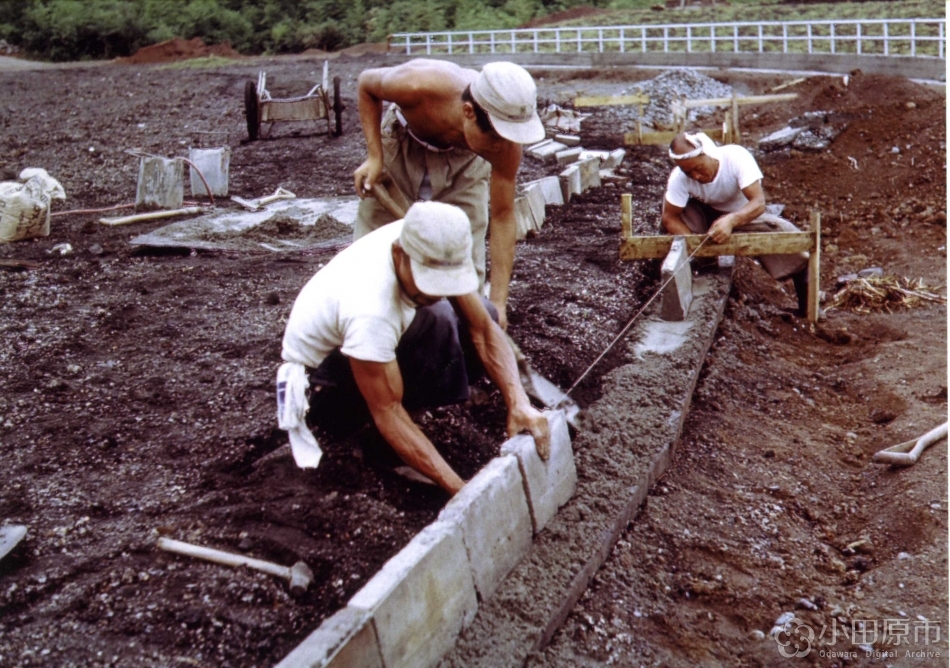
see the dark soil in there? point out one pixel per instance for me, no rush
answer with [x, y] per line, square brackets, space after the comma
[138, 384]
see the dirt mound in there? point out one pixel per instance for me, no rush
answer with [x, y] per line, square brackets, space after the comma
[179, 49]
[584, 11]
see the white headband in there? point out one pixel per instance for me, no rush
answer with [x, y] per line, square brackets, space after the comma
[697, 151]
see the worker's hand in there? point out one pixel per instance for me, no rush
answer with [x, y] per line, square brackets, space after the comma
[532, 420]
[502, 315]
[366, 176]
[721, 230]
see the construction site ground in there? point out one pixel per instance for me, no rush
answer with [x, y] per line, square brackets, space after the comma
[138, 392]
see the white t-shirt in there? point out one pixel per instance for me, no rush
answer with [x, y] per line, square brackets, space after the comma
[354, 303]
[737, 170]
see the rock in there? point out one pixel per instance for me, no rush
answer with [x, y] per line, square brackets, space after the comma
[779, 139]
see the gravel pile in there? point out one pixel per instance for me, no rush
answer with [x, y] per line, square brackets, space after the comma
[677, 84]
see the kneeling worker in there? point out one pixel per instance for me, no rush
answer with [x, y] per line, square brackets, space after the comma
[373, 325]
[715, 190]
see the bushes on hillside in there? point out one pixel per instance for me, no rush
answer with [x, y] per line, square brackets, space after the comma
[87, 29]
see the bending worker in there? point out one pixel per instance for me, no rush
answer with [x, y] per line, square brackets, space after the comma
[377, 337]
[715, 190]
[451, 135]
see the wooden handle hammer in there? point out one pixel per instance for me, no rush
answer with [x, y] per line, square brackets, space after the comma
[383, 197]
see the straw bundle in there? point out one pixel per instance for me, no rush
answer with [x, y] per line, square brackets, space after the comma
[884, 293]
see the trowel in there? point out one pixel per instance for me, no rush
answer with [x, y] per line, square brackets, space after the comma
[540, 388]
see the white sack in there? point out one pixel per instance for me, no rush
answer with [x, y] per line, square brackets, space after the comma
[24, 205]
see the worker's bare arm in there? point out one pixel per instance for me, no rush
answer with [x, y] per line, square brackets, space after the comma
[497, 357]
[501, 242]
[381, 386]
[424, 90]
[672, 219]
[722, 228]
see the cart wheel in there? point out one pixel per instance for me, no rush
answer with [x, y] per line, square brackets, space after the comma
[250, 110]
[337, 106]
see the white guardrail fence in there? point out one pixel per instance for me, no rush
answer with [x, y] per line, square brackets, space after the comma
[920, 38]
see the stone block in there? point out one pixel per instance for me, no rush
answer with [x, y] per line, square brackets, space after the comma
[569, 155]
[678, 291]
[546, 151]
[346, 639]
[524, 219]
[550, 188]
[421, 599]
[492, 513]
[590, 173]
[570, 182]
[568, 140]
[614, 158]
[587, 155]
[536, 204]
[548, 484]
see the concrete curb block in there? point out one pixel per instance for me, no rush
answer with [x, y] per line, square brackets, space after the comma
[678, 293]
[548, 484]
[421, 599]
[345, 639]
[494, 547]
[412, 611]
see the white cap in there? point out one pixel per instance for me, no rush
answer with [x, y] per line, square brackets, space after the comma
[437, 237]
[508, 95]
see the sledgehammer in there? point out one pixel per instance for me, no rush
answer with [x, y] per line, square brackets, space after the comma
[299, 575]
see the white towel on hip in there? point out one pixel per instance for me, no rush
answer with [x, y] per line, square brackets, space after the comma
[292, 407]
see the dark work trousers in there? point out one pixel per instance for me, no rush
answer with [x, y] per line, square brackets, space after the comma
[436, 358]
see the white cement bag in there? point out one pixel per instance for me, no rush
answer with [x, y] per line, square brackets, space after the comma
[24, 205]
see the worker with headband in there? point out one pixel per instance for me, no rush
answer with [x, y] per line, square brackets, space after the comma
[451, 135]
[716, 190]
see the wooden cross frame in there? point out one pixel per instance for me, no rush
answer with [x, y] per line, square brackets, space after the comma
[757, 243]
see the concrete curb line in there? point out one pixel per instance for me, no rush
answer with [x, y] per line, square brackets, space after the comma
[411, 612]
[536, 598]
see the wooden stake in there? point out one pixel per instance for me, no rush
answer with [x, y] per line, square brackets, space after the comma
[814, 268]
[735, 119]
[626, 215]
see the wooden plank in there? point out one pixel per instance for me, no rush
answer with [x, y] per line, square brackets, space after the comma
[724, 101]
[306, 109]
[755, 243]
[814, 268]
[610, 100]
[626, 215]
[788, 84]
[664, 137]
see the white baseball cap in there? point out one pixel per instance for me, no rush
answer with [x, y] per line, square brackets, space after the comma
[508, 95]
[437, 237]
